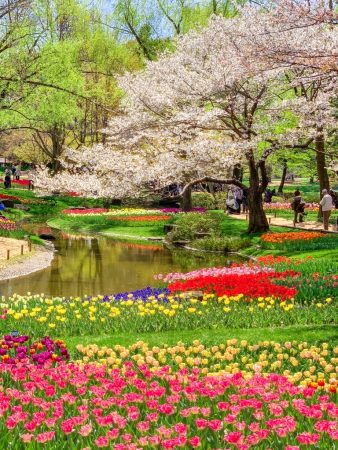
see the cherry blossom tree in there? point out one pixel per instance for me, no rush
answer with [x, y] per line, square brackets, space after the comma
[103, 171]
[217, 81]
[300, 34]
[98, 171]
[224, 90]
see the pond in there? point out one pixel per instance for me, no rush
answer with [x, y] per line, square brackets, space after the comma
[91, 265]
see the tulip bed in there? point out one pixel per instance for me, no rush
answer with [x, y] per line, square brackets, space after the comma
[112, 212]
[286, 207]
[277, 238]
[136, 406]
[148, 218]
[299, 241]
[7, 224]
[303, 364]
[16, 350]
[85, 212]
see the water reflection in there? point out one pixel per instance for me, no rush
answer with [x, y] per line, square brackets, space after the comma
[86, 265]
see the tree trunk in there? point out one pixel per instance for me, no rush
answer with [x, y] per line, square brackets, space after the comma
[186, 202]
[323, 177]
[257, 219]
[214, 6]
[58, 138]
[282, 181]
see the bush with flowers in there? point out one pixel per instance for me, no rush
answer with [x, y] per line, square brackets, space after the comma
[19, 350]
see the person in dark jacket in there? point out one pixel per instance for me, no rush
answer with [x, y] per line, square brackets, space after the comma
[298, 206]
[8, 180]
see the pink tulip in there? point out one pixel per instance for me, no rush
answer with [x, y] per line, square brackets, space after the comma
[215, 425]
[102, 441]
[235, 437]
[201, 424]
[195, 441]
[27, 437]
[45, 437]
[308, 438]
[85, 430]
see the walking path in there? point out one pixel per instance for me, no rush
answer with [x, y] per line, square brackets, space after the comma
[22, 261]
[288, 223]
[14, 247]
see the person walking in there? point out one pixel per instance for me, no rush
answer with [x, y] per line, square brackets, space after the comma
[238, 195]
[8, 181]
[327, 205]
[232, 207]
[268, 196]
[295, 205]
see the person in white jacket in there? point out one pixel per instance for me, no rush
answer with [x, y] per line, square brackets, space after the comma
[327, 204]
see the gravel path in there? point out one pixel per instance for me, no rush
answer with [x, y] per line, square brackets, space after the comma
[40, 258]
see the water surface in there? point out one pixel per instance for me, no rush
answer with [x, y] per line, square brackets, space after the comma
[87, 265]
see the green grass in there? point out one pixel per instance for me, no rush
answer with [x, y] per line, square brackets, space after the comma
[313, 334]
[135, 232]
[22, 193]
[105, 227]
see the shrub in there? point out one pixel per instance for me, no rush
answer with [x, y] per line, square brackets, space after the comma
[191, 223]
[220, 199]
[203, 200]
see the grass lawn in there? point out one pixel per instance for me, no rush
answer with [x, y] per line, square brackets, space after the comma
[312, 334]
[106, 228]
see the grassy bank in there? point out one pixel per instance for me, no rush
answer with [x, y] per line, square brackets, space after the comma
[108, 228]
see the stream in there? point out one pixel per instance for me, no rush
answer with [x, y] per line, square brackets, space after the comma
[92, 265]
